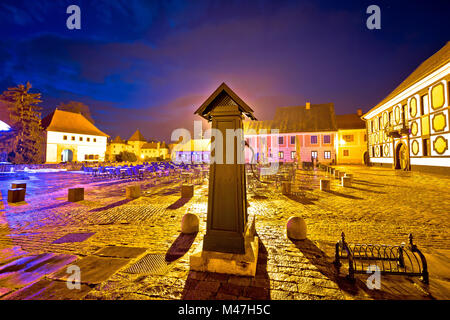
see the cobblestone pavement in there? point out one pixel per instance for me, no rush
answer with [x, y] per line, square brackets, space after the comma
[382, 206]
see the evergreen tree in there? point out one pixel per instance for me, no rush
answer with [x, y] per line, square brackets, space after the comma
[26, 123]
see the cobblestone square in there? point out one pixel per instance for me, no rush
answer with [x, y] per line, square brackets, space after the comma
[382, 206]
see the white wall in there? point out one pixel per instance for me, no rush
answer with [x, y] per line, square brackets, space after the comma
[82, 148]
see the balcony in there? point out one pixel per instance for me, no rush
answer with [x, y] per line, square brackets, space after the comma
[397, 131]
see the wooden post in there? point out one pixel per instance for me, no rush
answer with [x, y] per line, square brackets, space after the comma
[227, 210]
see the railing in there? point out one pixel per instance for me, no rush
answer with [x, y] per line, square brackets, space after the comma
[406, 260]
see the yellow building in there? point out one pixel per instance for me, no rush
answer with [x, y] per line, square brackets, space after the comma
[193, 151]
[72, 137]
[138, 145]
[410, 128]
[352, 139]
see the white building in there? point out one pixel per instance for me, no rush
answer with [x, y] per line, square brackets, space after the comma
[410, 128]
[71, 137]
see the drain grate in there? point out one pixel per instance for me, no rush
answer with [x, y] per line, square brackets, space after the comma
[150, 264]
[74, 237]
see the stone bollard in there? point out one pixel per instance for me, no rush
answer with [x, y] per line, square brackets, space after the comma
[286, 188]
[187, 190]
[341, 174]
[133, 192]
[324, 185]
[16, 195]
[189, 223]
[18, 185]
[346, 182]
[75, 194]
[332, 170]
[336, 174]
[349, 175]
[296, 228]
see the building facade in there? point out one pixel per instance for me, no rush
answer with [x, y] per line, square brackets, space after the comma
[351, 139]
[193, 151]
[410, 128]
[307, 133]
[137, 144]
[71, 137]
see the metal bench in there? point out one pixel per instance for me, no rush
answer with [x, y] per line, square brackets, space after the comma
[406, 260]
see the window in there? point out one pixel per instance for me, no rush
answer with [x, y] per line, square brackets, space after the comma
[81, 138]
[426, 147]
[95, 139]
[327, 155]
[381, 151]
[371, 125]
[379, 123]
[348, 137]
[292, 139]
[313, 139]
[96, 157]
[314, 154]
[327, 139]
[373, 151]
[280, 140]
[88, 139]
[292, 154]
[365, 137]
[86, 157]
[73, 138]
[424, 102]
[280, 155]
[64, 137]
[346, 153]
[403, 113]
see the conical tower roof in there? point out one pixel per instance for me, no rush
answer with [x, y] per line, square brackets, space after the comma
[118, 139]
[137, 136]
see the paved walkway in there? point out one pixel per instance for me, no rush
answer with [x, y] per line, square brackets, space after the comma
[133, 249]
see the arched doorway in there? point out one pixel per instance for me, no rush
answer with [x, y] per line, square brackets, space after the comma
[67, 155]
[366, 158]
[401, 157]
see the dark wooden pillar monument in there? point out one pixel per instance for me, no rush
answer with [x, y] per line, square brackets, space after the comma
[227, 219]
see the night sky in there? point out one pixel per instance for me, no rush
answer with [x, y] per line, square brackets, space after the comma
[150, 64]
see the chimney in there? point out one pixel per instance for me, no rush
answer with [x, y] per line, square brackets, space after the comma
[308, 105]
[359, 112]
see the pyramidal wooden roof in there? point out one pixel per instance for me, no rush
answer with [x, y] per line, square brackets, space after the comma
[70, 122]
[437, 60]
[223, 96]
[137, 136]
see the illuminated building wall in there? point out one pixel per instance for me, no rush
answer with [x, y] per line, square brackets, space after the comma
[71, 137]
[410, 128]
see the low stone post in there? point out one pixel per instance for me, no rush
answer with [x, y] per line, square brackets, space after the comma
[16, 195]
[324, 185]
[286, 188]
[17, 185]
[75, 194]
[336, 174]
[346, 182]
[349, 175]
[133, 191]
[187, 190]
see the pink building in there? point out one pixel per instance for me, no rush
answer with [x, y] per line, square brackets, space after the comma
[304, 133]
